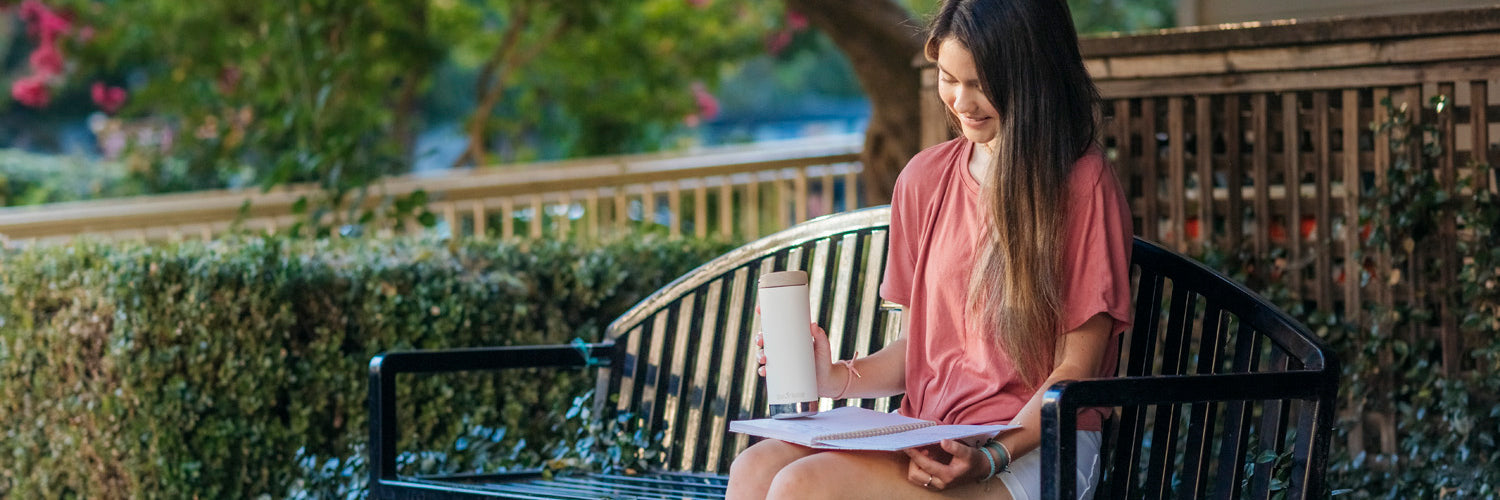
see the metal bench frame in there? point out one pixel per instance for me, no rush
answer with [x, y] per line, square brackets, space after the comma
[1208, 376]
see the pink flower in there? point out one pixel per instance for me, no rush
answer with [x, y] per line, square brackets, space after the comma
[44, 23]
[108, 98]
[31, 91]
[700, 3]
[31, 10]
[46, 60]
[795, 21]
[778, 41]
[708, 106]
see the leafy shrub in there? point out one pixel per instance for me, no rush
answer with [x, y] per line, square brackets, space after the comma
[32, 179]
[237, 368]
[1447, 419]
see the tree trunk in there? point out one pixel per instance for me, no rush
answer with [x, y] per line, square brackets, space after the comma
[404, 127]
[490, 86]
[882, 41]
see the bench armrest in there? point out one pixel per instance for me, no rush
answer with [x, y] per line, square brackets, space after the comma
[384, 368]
[1061, 402]
[489, 358]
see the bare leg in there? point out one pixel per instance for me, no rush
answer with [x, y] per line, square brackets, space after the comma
[752, 471]
[773, 469]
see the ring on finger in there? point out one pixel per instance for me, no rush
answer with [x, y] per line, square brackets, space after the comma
[928, 484]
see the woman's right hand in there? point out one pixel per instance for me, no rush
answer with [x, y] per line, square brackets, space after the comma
[822, 360]
[760, 354]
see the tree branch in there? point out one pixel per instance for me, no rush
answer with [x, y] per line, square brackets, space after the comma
[490, 84]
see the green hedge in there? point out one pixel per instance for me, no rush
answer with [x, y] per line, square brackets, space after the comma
[31, 179]
[236, 369]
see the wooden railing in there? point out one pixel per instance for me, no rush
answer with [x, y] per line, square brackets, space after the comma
[737, 191]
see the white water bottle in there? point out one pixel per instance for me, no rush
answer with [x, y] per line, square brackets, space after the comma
[786, 319]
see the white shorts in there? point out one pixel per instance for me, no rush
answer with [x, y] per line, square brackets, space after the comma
[1025, 477]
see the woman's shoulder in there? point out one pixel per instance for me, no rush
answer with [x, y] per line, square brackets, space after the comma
[1090, 170]
[926, 166]
[940, 153]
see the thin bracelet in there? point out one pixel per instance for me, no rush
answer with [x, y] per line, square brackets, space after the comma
[987, 456]
[1005, 452]
[848, 380]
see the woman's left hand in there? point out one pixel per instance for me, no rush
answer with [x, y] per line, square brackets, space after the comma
[928, 469]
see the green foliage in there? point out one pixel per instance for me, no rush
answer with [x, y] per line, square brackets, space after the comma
[1447, 425]
[1102, 16]
[237, 368]
[619, 445]
[1095, 16]
[1280, 464]
[333, 91]
[31, 179]
[302, 91]
[599, 76]
[296, 91]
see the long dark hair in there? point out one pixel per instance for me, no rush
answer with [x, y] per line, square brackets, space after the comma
[1026, 54]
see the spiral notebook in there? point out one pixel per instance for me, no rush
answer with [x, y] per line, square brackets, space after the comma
[855, 428]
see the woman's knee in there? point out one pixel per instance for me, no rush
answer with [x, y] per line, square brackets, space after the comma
[825, 476]
[762, 461]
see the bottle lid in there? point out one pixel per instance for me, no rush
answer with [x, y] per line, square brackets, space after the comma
[783, 278]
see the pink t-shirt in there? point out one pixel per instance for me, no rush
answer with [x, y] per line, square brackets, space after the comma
[954, 374]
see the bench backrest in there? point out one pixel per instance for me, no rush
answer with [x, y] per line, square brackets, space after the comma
[1190, 321]
[685, 363]
[685, 358]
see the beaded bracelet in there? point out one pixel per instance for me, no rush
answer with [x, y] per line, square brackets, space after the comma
[987, 456]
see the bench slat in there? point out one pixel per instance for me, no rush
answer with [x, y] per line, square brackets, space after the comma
[1213, 328]
[745, 393]
[1273, 420]
[1130, 421]
[594, 486]
[707, 347]
[627, 385]
[1173, 357]
[651, 405]
[682, 319]
[820, 270]
[1237, 416]
[642, 487]
[842, 336]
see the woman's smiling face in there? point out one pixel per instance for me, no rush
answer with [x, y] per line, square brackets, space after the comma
[958, 86]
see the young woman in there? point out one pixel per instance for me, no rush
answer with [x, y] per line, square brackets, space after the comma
[1009, 250]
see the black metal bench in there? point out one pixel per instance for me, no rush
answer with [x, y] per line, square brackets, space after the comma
[1220, 394]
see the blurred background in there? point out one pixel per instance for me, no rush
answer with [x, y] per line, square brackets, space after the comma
[150, 96]
[210, 340]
